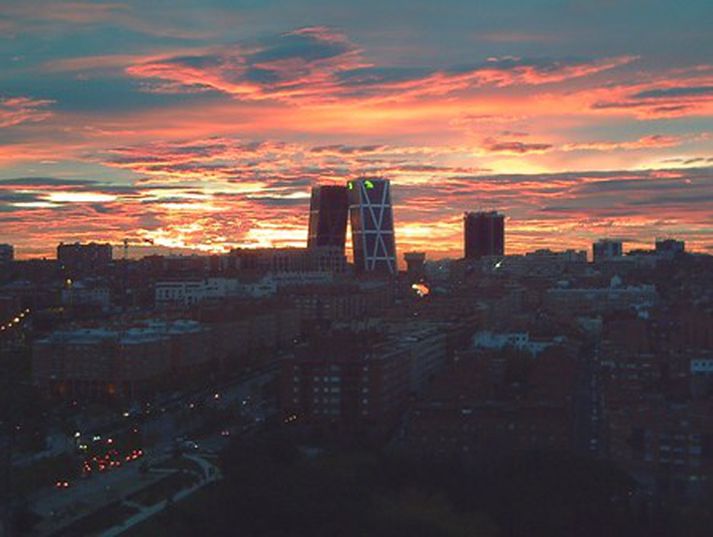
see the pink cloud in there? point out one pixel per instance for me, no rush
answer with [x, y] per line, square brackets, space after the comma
[17, 110]
[321, 65]
[682, 92]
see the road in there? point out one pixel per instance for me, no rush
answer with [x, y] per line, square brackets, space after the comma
[162, 428]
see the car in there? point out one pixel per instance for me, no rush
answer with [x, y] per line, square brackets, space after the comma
[189, 445]
[62, 484]
[225, 432]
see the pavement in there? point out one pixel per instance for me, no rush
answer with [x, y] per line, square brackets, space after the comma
[68, 506]
[211, 473]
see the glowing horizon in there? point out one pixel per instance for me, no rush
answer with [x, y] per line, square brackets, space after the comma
[203, 128]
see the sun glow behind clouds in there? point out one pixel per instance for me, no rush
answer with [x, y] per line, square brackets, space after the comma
[80, 197]
[214, 142]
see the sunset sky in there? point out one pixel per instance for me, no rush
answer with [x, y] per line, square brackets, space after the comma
[203, 124]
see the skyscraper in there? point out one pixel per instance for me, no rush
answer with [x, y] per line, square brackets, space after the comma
[484, 234]
[328, 210]
[372, 225]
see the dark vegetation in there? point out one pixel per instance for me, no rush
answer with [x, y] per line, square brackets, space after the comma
[273, 489]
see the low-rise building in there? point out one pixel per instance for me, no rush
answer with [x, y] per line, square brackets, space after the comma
[599, 300]
[485, 339]
[183, 293]
[86, 294]
[119, 361]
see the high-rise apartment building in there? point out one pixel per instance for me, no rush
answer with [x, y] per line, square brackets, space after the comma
[372, 225]
[484, 234]
[607, 249]
[669, 248]
[83, 259]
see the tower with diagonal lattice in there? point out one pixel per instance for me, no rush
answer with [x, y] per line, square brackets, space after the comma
[372, 225]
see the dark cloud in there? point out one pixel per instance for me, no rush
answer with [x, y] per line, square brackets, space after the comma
[674, 92]
[307, 44]
[515, 146]
[347, 149]
[320, 64]
[18, 197]
[675, 99]
[46, 181]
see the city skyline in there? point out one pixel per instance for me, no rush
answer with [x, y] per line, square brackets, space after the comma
[203, 128]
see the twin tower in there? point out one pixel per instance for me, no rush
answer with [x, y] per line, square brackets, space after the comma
[367, 201]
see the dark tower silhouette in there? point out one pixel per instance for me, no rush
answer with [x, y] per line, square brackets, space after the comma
[484, 234]
[328, 210]
[415, 265]
[372, 225]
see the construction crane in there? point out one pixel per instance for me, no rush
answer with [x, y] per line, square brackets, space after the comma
[125, 269]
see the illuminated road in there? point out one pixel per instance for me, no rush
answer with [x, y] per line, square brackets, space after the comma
[89, 494]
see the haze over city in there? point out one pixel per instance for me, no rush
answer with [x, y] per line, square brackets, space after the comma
[187, 126]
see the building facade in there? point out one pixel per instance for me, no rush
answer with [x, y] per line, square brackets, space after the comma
[669, 248]
[607, 249]
[281, 260]
[7, 254]
[415, 265]
[372, 225]
[78, 259]
[125, 362]
[328, 210]
[484, 234]
[345, 384]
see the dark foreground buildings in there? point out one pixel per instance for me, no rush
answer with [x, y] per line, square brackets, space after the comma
[79, 259]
